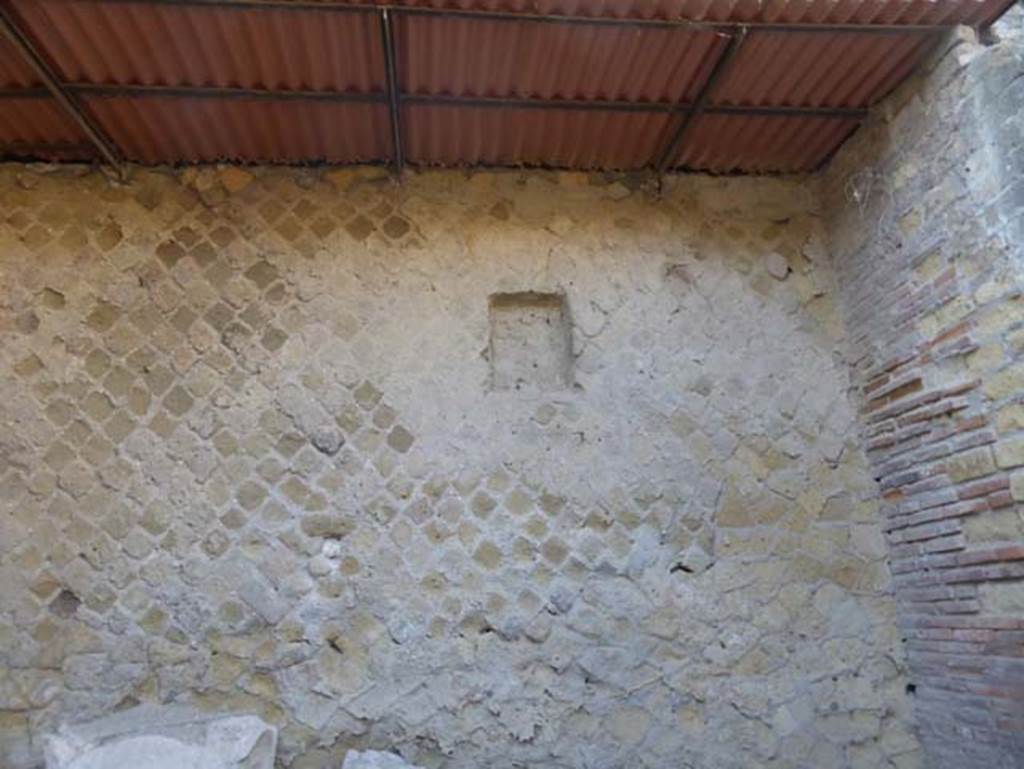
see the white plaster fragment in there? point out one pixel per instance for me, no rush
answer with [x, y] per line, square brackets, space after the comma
[164, 737]
[375, 759]
[776, 265]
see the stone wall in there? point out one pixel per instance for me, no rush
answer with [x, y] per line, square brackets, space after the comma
[499, 470]
[927, 205]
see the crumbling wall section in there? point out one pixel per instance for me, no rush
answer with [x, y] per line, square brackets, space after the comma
[926, 208]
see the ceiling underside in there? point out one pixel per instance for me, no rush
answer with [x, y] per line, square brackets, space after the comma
[709, 85]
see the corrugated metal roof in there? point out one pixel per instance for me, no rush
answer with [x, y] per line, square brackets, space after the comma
[821, 70]
[181, 46]
[173, 130]
[276, 77]
[552, 61]
[36, 122]
[726, 143]
[783, 11]
[14, 73]
[450, 136]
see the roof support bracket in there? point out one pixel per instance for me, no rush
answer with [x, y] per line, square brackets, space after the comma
[700, 104]
[388, 36]
[108, 150]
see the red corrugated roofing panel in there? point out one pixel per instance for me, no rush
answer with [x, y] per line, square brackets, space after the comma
[14, 72]
[51, 153]
[36, 121]
[170, 130]
[819, 70]
[469, 57]
[782, 11]
[728, 143]
[251, 46]
[549, 138]
[222, 47]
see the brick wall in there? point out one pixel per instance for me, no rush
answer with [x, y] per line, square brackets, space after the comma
[927, 206]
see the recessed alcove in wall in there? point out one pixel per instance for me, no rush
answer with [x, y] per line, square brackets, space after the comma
[531, 341]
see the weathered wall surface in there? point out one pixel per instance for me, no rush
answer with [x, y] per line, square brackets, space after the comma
[927, 207]
[255, 457]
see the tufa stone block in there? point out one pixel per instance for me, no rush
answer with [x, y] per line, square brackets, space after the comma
[1017, 486]
[970, 464]
[1010, 452]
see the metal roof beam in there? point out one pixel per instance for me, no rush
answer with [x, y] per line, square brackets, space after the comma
[431, 100]
[10, 30]
[32, 149]
[528, 102]
[25, 93]
[691, 24]
[347, 6]
[719, 70]
[587, 105]
[391, 74]
[213, 92]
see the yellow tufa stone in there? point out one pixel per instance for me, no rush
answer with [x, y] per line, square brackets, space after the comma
[1010, 418]
[967, 465]
[1004, 525]
[235, 179]
[1010, 452]
[997, 318]
[487, 555]
[950, 313]
[910, 222]
[1006, 383]
[986, 358]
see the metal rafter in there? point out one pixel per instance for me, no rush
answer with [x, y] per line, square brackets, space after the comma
[603, 105]
[10, 30]
[348, 6]
[30, 149]
[720, 68]
[232, 93]
[391, 72]
[434, 100]
[25, 93]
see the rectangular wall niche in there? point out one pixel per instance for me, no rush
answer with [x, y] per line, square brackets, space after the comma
[531, 341]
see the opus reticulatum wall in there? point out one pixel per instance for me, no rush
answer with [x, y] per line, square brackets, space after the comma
[501, 469]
